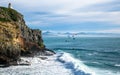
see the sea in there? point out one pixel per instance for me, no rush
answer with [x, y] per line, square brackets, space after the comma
[101, 55]
[74, 56]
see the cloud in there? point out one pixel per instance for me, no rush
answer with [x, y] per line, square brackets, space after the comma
[109, 17]
[54, 5]
[36, 23]
[114, 30]
[76, 17]
[73, 12]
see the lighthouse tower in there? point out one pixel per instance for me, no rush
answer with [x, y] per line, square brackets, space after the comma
[9, 5]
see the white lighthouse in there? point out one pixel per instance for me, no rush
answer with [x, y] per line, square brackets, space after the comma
[9, 5]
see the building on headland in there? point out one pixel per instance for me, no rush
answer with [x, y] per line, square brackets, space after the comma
[9, 5]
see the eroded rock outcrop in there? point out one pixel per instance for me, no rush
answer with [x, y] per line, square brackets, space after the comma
[17, 39]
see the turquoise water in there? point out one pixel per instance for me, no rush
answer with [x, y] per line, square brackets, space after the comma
[101, 54]
[79, 56]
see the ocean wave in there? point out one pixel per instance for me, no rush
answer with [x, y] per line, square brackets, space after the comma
[38, 67]
[111, 52]
[76, 66]
[72, 49]
[118, 65]
[75, 49]
[61, 63]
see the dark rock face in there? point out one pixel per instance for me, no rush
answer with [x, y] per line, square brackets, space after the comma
[16, 39]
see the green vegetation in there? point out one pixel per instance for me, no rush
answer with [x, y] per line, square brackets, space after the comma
[4, 19]
[8, 15]
[41, 44]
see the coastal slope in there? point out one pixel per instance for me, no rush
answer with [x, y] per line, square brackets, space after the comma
[17, 39]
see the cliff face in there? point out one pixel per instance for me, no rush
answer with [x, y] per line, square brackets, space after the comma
[16, 39]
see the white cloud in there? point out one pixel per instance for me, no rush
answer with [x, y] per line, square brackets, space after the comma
[54, 5]
[70, 11]
[114, 30]
[110, 17]
[67, 7]
[75, 17]
[37, 23]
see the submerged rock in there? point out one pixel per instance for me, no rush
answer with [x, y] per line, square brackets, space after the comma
[17, 39]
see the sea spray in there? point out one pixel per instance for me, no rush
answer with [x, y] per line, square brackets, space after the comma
[38, 66]
[61, 63]
[76, 66]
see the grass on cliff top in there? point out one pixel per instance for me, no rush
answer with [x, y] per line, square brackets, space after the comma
[8, 14]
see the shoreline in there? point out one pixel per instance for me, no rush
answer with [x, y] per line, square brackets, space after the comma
[61, 63]
[40, 65]
[42, 56]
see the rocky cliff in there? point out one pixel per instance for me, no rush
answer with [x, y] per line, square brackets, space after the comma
[16, 38]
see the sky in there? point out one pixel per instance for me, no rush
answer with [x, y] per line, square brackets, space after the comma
[70, 15]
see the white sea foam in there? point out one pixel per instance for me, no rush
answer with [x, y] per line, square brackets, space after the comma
[105, 71]
[38, 67]
[59, 64]
[77, 67]
[118, 65]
